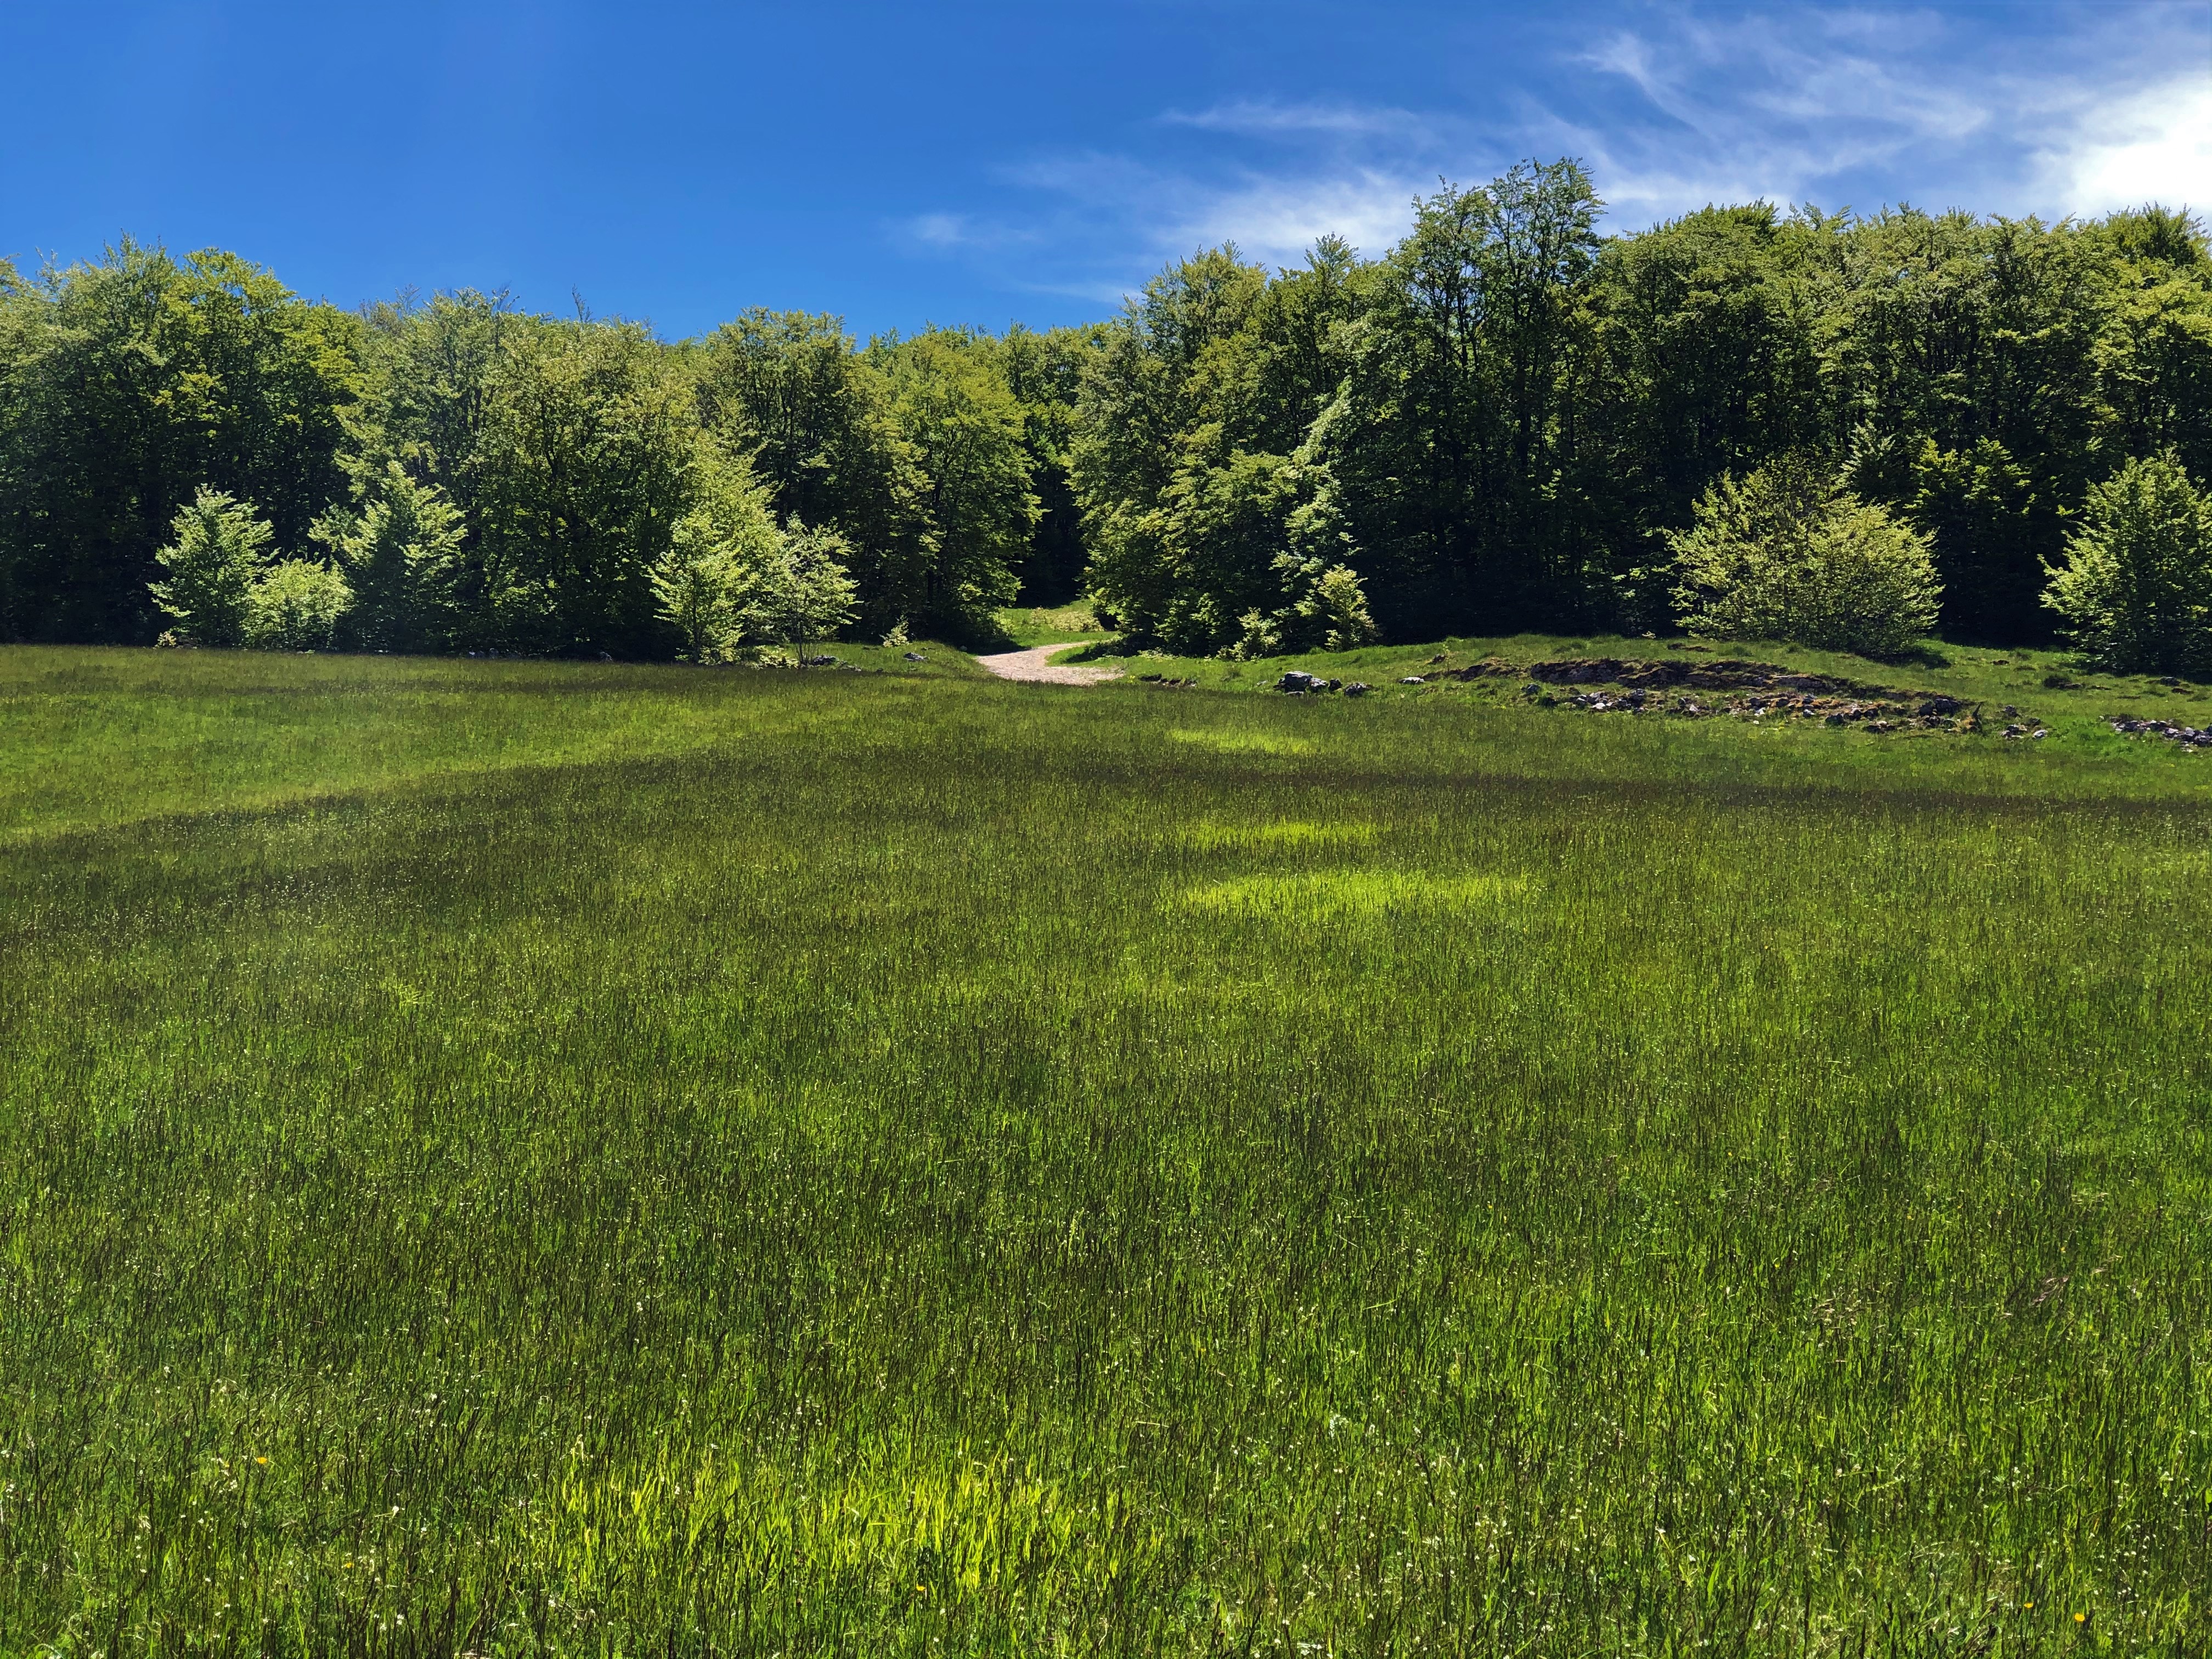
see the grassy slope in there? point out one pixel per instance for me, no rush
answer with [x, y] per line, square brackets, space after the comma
[532, 1158]
[1029, 625]
[96, 737]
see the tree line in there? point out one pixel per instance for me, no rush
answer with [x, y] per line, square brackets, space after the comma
[1507, 420]
[452, 474]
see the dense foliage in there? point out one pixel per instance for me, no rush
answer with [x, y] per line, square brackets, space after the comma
[1502, 423]
[1505, 421]
[469, 477]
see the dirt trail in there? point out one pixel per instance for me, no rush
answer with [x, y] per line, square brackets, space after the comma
[1035, 664]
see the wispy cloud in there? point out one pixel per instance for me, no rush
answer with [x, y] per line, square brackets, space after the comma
[1866, 107]
[1261, 118]
[1856, 106]
[1273, 217]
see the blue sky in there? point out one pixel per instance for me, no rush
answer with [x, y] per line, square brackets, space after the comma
[981, 163]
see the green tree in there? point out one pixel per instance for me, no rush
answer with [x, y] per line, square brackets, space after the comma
[1787, 554]
[585, 466]
[804, 591]
[1703, 359]
[817, 419]
[1138, 402]
[2135, 586]
[1192, 407]
[438, 372]
[217, 552]
[2154, 349]
[1457, 427]
[1980, 506]
[1972, 339]
[724, 557]
[968, 432]
[1045, 373]
[125, 385]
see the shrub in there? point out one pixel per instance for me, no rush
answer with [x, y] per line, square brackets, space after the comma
[2135, 588]
[1787, 554]
[777, 587]
[220, 545]
[400, 551]
[806, 592]
[705, 586]
[1327, 612]
[1336, 608]
[296, 606]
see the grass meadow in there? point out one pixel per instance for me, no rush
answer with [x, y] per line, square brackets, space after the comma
[519, 1158]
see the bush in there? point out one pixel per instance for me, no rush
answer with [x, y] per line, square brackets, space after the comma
[1327, 613]
[706, 585]
[400, 551]
[2135, 588]
[731, 580]
[219, 546]
[1787, 554]
[1336, 608]
[296, 606]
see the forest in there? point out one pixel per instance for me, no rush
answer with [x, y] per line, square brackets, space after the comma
[1507, 420]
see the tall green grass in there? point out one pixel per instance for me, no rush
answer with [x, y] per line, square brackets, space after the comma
[616, 1160]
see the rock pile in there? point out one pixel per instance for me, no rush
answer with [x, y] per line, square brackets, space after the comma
[1760, 689]
[1739, 688]
[2191, 736]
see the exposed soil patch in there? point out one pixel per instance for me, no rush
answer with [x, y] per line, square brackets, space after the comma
[1036, 664]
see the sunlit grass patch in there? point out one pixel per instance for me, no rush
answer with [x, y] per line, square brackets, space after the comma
[1244, 741]
[1214, 834]
[1351, 893]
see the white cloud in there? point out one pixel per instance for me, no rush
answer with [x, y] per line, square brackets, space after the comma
[1272, 217]
[2154, 147]
[955, 233]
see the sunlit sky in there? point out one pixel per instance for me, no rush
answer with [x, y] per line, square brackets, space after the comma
[981, 163]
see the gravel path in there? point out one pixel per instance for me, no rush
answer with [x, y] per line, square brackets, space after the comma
[1035, 664]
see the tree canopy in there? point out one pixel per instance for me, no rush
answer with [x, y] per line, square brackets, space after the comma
[1508, 419]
